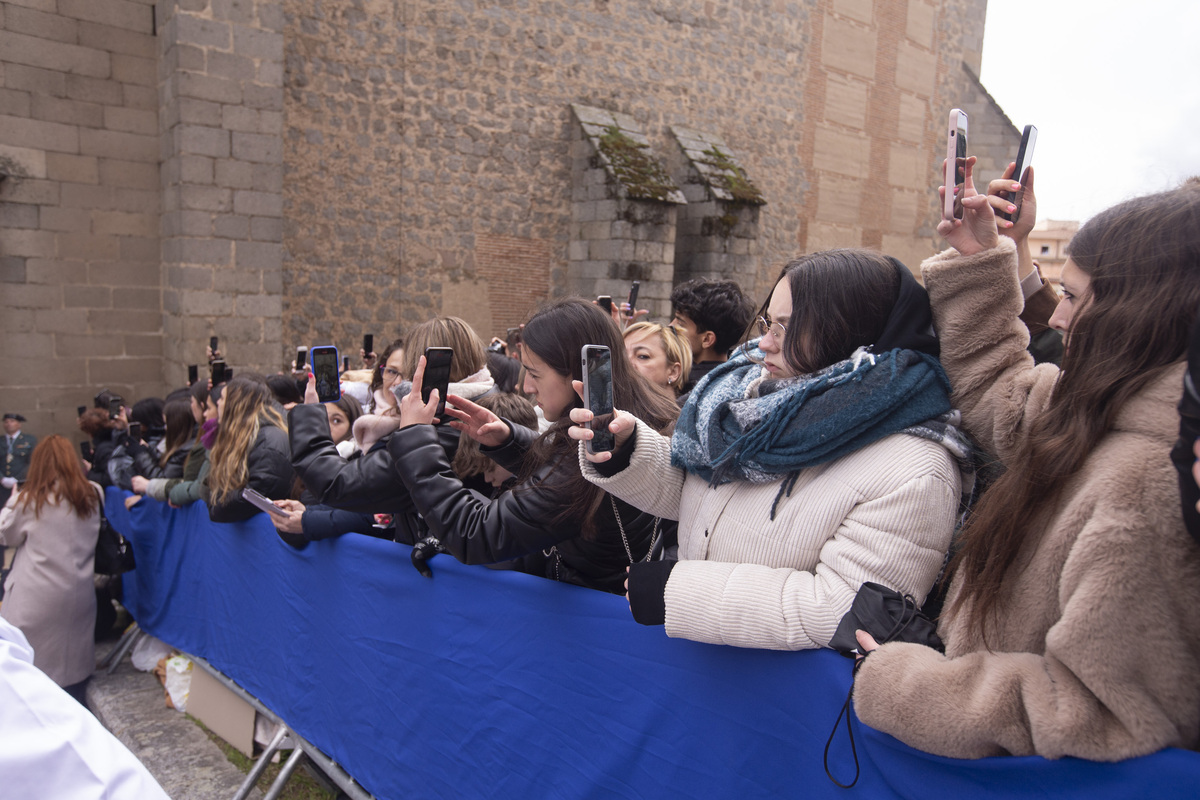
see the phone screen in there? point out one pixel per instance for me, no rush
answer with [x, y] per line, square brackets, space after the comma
[633, 295]
[193, 374]
[956, 164]
[368, 343]
[135, 431]
[212, 344]
[114, 408]
[437, 375]
[598, 396]
[605, 302]
[325, 370]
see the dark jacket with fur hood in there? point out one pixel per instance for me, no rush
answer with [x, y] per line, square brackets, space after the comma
[1096, 649]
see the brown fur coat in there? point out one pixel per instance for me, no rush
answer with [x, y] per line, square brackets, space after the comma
[1096, 652]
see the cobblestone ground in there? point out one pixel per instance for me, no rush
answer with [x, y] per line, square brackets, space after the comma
[176, 751]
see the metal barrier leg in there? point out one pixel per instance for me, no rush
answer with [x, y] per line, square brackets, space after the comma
[284, 775]
[129, 633]
[257, 770]
[125, 648]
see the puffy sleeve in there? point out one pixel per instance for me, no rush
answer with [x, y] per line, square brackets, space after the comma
[649, 483]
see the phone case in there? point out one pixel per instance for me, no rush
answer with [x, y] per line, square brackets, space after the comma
[324, 360]
[262, 503]
[955, 144]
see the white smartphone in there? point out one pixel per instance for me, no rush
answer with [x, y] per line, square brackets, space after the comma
[956, 164]
[262, 503]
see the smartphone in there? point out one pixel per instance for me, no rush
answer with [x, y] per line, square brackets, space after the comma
[262, 503]
[114, 407]
[345, 363]
[605, 303]
[81, 409]
[598, 396]
[437, 375]
[217, 372]
[633, 293]
[212, 343]
[956, 164]
[324, 364]
[85, 449]
[135, 431]
[301, 357]
[1024, 160]
[368, 343]
[193, 374]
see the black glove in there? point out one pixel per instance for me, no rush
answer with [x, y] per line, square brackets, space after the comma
[424, 550]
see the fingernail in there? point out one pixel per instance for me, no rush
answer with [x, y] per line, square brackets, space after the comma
[1011, 209]
[1016, 186]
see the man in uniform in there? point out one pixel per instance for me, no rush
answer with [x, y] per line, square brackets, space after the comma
[15, 449]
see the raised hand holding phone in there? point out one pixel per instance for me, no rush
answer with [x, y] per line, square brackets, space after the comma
[976, 231]
[412, 408]
[598, 396]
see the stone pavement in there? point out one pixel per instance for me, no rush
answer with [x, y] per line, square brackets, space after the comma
[177, 752]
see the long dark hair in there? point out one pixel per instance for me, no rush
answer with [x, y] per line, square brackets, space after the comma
[1143, 261]
[556, 333]
[841, 300]
[180, 427]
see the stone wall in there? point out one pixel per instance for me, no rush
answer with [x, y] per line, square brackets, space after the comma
[80, 275]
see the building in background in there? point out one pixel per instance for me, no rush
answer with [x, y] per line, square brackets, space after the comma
[284, 172]
[1048, 243]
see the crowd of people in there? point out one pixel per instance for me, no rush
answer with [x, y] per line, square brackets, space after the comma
[858, 427]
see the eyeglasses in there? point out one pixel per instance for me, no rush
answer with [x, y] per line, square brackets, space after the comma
[390, 374]
[778, 330]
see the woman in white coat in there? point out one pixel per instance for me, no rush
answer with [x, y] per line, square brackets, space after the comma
[53, 523]
[820, 456]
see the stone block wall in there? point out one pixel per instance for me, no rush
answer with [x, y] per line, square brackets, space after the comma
[220, 85]
[80, 275]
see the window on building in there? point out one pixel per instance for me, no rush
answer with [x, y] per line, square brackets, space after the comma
[1045, 249]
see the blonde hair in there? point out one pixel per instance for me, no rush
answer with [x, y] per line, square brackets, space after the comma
[452, 332]
[248, 406]
[674, 345]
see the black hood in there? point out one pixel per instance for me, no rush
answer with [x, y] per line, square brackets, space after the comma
[910, 325]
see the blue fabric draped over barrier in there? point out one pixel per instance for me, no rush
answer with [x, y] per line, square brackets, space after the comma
[484, 683]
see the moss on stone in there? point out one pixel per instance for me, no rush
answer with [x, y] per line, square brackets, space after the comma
[733, 177]
[638, 171]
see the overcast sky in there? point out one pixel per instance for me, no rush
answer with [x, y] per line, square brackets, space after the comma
[1113, 88]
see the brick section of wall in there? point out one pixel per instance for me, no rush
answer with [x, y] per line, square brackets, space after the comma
[515, 273]
[221, 86]
[80, 279]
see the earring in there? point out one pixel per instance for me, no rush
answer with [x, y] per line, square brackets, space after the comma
[670, 381]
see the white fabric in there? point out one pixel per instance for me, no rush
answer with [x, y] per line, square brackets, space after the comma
[51, 746]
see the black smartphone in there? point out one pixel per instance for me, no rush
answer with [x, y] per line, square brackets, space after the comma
[956, 164]
[605, 302]
[217, 372]
[301, 357]
[135, 431]
[324, 364]
[81, 409]
[1024, 160]
[114, 407]
[633, 293]
[437, 375]
[598, 396]
[85, 449]
[193, 374]
[368, 343]
[212, 343]
[345, 363]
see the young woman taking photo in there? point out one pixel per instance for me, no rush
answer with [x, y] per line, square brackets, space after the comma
[818, 457]
[560, 525]
[1070, 625]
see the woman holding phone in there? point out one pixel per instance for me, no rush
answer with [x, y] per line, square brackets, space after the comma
[1070, 624]
[251, 450]
[559, 525]
[820, 456]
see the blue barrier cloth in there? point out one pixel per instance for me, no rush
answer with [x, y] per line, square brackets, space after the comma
[485, 683]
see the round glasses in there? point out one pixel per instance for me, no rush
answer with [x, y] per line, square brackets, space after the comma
[778, 330]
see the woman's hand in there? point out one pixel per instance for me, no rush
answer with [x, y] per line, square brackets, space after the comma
[310, 391]
[293, 522]
[477, 422]
[1017, 231]
[368, 359]
[976, 231]
[139, 484]
[412, 409]
[866, 643]
[622, 427]
[132, 500]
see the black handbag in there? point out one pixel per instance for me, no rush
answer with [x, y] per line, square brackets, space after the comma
[114, 555]
[888, 616]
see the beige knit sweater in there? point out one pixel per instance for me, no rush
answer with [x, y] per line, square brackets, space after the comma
[884, 513]
[1096, 653]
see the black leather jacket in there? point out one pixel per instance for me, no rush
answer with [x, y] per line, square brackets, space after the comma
[518, 523]
[269, 471]
[365, 483]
